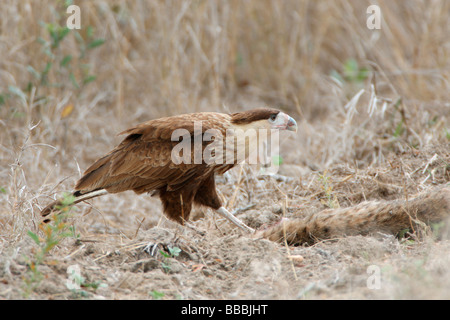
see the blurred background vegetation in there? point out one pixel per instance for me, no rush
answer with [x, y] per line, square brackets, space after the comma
[372, 106]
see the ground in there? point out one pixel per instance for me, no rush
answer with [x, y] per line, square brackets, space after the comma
[372, 107]
[167, 261]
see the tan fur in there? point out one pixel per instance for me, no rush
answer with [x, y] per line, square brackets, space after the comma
[389, 217]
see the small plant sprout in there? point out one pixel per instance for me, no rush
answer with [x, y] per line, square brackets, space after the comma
[52, 234]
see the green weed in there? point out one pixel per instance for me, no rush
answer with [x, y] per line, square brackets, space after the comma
[77, 282]
[59, 69]
[351, 72]
[156, 294]
[52, 234]
[332, 201]
[173, 253]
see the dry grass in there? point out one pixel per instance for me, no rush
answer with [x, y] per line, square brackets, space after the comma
[164, 58]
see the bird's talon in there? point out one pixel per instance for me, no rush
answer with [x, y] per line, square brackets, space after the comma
[150, 248]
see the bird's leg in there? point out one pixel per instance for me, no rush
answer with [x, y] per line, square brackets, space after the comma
[228, 215]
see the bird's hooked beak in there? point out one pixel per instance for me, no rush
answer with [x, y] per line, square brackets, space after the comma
[288, 122]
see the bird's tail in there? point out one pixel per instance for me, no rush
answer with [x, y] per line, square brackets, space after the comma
[55, 206]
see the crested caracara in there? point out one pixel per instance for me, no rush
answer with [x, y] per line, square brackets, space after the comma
[178, 157]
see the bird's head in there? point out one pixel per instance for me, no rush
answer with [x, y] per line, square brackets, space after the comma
[264, 118]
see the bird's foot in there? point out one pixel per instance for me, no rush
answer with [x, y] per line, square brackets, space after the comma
[151, 248]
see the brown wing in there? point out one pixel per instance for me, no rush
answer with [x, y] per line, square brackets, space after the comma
[142, 162]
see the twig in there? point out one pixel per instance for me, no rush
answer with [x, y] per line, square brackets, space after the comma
[75, 252]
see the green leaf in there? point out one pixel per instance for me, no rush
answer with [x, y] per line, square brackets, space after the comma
[49, 52]
[175, 251]
[353, 73]
[65, 61]
[398, 103]
[47, 68]
[156, 294]
[29, 86]
[2, 190]
[16, 91]
[18, 115]
[74, 81]
[166, 266]
[89, 31]
[2, 99]
[57, 33]
[350, 67]
[50, 244]
[78, 37]
[67, 234]
[89, 79]
[63, 32]
[50, 27]
[363, 73]
[399, 130]
[402, 233]
[68, 199]
[45, 72]
[277, 160]
[34, 237]
[33, 72]
[42, 41]
[95, 43]
[165, 255]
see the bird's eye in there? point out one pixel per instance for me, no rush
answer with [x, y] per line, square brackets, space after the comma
[273, 117]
